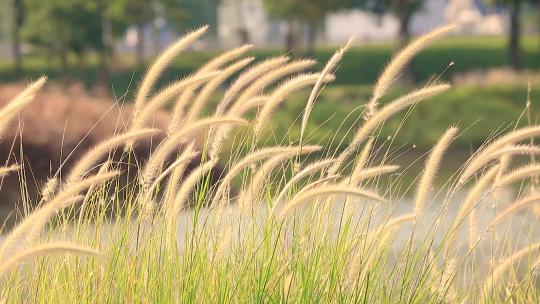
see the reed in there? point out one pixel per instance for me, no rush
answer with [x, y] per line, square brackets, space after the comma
[505, 264]
[34, 222]
[308, 170]
[144, 114]
[327, 70]
[431, 168]
[296, 201]
[173, 232]
[530, 170]
[182, 195]
[279, 94]
[23, 99]
[161, 63]
[515, 207]
[482, 157]
[402, 58]
[155, 162]
[248, 160]
[258, 181]
[43, 249]
[209, 89]
[85, 163]
[382, 115]
[272, 76]
[7, 170]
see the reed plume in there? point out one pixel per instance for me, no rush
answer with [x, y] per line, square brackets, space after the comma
[308, 170]
[382, 115]
[325, 191]
[182, 195]
[217, 137]
[503, 266]
[260, 84]
[253, 103]
[280, 93]
[7, 170]
[358, 176]
[321, 181]
[517, 174]
[327, 70]
[34, 222]
[247, 78]
[246, 161]
[145, 113]
[19, 102]
[225, 57]
[188, 93]
[155, 162]
[397, 63]
[258, 181]
[515, 207]
[176, 175]
[49, 189]
[363, 158]
[381, 235]
[86, 162]
[431, 168]
[43, 249]
[161, 63]
[466, 208]
[516, 150]
[474, 194]
[210, 87]
[482, 157]
[181, 161]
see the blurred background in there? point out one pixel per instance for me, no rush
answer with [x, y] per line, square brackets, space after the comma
[95, 51]
[100, 47]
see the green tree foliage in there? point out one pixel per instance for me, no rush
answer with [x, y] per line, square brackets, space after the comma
[64, 26]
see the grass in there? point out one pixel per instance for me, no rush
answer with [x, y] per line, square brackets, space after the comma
[338, 235]
[362, 66]
[494, 107]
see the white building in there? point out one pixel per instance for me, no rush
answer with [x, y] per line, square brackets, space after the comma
[339, 26]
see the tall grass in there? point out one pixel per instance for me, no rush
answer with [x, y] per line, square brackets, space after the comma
[284, 223]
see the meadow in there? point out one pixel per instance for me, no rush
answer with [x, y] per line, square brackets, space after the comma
[294, 216]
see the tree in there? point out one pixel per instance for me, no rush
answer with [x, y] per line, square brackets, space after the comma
[514, 40]
[137, 13]
[403, 10]
[63, 27]
[514, 44]
[310, 12]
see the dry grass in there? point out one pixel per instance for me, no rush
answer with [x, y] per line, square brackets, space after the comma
[291, 232]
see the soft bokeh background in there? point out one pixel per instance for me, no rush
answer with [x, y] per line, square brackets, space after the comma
[95, 51]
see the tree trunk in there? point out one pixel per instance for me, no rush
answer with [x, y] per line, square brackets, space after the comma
[103, 72]
[404, 29]
[290, 38]
[105, 53]
[311, 37]
[16, 37]
[243, 34]
[404, 38]
[514, 47]
[140, 44]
